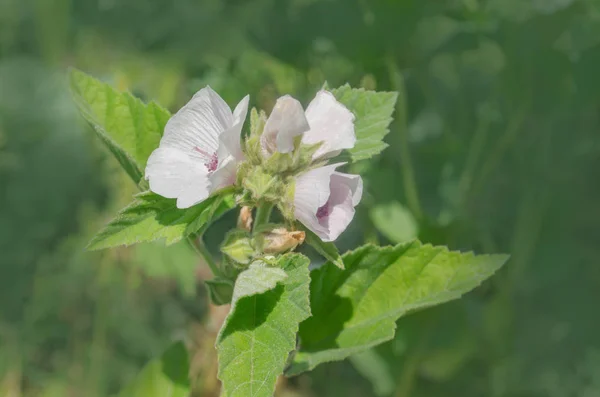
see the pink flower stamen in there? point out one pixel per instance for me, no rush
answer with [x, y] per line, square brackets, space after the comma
[213, 160]
[213, 163]
[323, 211]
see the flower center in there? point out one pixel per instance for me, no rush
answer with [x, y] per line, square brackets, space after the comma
[213, 163]
[323, 211]
[213, 160]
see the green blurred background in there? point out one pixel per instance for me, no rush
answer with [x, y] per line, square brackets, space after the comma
[495, 148]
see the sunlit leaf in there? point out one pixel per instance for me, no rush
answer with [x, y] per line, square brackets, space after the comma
[166, 376]
[356, 308]
[261, 328]
[373, 111]
[129, 128]
[152, 217]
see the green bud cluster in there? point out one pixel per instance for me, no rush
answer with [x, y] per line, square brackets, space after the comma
[264, 179]
[269, 177]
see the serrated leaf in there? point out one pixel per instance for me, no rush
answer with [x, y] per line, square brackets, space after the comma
[328, 250]
[152, 217]
[357, 308]
[261, 328]
[166, 376]
[395, 222]
[129, 128]
[257, 279]
[373, 111]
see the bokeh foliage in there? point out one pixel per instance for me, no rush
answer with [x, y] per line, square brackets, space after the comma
[495, 147]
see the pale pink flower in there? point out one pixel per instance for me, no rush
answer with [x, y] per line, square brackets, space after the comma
[324, 200]
[325, 120]
[199, 151]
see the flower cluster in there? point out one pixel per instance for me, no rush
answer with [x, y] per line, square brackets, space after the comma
[202, 151]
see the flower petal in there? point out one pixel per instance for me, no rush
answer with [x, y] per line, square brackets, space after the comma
[311, 192]
[286, 122]
[230, 138]
[196, 127]
[331, 123]
[346, 192]
[224, 175]
[354, 183]
[174, 174]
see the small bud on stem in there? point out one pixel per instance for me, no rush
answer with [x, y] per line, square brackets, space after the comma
[245, 219]
[281, 240]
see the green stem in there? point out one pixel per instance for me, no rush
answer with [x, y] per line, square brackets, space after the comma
[263, 214]
[408, 174]
[198, 245]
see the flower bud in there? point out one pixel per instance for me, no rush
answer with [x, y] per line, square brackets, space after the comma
[281, 240]
[238, 247]
[245, 219]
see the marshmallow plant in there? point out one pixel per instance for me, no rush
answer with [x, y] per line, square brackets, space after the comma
[284, 174]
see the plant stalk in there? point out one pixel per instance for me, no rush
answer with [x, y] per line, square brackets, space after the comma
[263, 214]
[198, 245]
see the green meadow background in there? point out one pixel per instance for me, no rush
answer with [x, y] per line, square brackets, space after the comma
[495, 148]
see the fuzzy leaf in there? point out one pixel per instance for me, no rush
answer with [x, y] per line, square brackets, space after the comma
[129, 128]
[373, 111]
[357, 308]
[166, 376]
[151, 217]
[258, 279]
[261, 328]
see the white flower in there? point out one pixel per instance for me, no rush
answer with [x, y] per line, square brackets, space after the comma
[324, 200]
[199, 150]
[325, 120]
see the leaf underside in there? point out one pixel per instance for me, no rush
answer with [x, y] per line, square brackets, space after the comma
[356, 308]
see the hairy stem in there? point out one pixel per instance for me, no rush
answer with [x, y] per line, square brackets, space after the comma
[263, 213]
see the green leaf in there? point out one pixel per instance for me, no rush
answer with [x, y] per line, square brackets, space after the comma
[166, 376]
[373, 111]
[258, 279]
[261, 328]
[357, 308]
[151, 217]
[129, 128]
[328, 250]
[395, 222]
